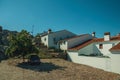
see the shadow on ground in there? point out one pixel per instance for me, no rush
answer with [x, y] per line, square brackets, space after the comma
[42, 67]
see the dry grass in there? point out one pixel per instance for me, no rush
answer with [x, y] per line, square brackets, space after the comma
[52, 69]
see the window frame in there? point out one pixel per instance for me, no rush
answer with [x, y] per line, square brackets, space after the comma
[100, 46]
[45, 39]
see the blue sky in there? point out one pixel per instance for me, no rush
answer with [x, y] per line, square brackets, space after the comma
[78, 16]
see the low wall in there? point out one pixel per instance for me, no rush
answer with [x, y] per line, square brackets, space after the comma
[115, 63]
[108, 64]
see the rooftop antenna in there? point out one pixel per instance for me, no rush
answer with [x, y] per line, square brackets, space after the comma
[32, 29]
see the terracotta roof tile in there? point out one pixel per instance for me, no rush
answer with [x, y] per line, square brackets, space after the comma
[116, 47]
[98, 39]
[92, 41]
[115, 38]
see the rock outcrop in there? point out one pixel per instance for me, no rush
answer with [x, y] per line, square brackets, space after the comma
[4, 41]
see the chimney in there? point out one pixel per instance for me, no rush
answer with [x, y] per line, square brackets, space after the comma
[107, 36]
[0, 29]
[93, 34]
[118, 34]
[49, 31]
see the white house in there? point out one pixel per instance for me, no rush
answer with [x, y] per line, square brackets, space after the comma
[103, 53]
[50, 39]
[74, 41]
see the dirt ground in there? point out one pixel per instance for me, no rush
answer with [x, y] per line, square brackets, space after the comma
[52, 69]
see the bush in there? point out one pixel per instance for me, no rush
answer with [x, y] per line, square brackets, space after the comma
[44, 54]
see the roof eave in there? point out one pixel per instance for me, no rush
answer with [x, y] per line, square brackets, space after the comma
[114, 50]
[70, 50]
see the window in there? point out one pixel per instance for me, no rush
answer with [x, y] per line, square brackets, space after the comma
[64, 42]
[44, 39]
[100, 46]
[54, 39]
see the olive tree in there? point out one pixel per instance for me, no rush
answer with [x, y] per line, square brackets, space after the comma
[20, 45]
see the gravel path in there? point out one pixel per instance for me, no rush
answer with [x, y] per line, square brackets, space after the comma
[52, 69]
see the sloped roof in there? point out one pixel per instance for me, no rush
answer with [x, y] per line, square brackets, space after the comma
[94, 40]
[116, 47]
[46, 33]
[81, 45]
[67, 39]
[43, 34]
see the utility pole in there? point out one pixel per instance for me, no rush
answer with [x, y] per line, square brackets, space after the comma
[32, 29]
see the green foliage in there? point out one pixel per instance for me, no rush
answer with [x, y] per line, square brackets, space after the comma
[37, 41]
[20, 45]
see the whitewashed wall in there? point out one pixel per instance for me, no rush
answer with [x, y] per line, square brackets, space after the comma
[90, 49]
[94, 48]
[106, 47]
[57, 36]
[64, 45]
[45, 42]
[108, 64]
[73, 57]
[86, 50]
[101, 63]
[115, 62]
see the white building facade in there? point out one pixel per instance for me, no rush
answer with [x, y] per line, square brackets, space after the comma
[103, 53]
[74, 41]
[51, 39]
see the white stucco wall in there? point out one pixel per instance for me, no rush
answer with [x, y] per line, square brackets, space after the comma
[86, 50]
[115, 62]
[64, 45]
[90, 49]
[97, 62]
[73, 57]
[94, 48]
[58, 36]
[106, 47]
[45, 42]
[53, 38]
[108, 64]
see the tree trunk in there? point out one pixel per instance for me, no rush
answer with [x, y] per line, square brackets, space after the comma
[23, 58]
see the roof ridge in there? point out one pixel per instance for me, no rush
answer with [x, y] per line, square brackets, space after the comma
[63, 30]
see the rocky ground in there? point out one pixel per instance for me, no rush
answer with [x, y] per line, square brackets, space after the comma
[52, 69]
